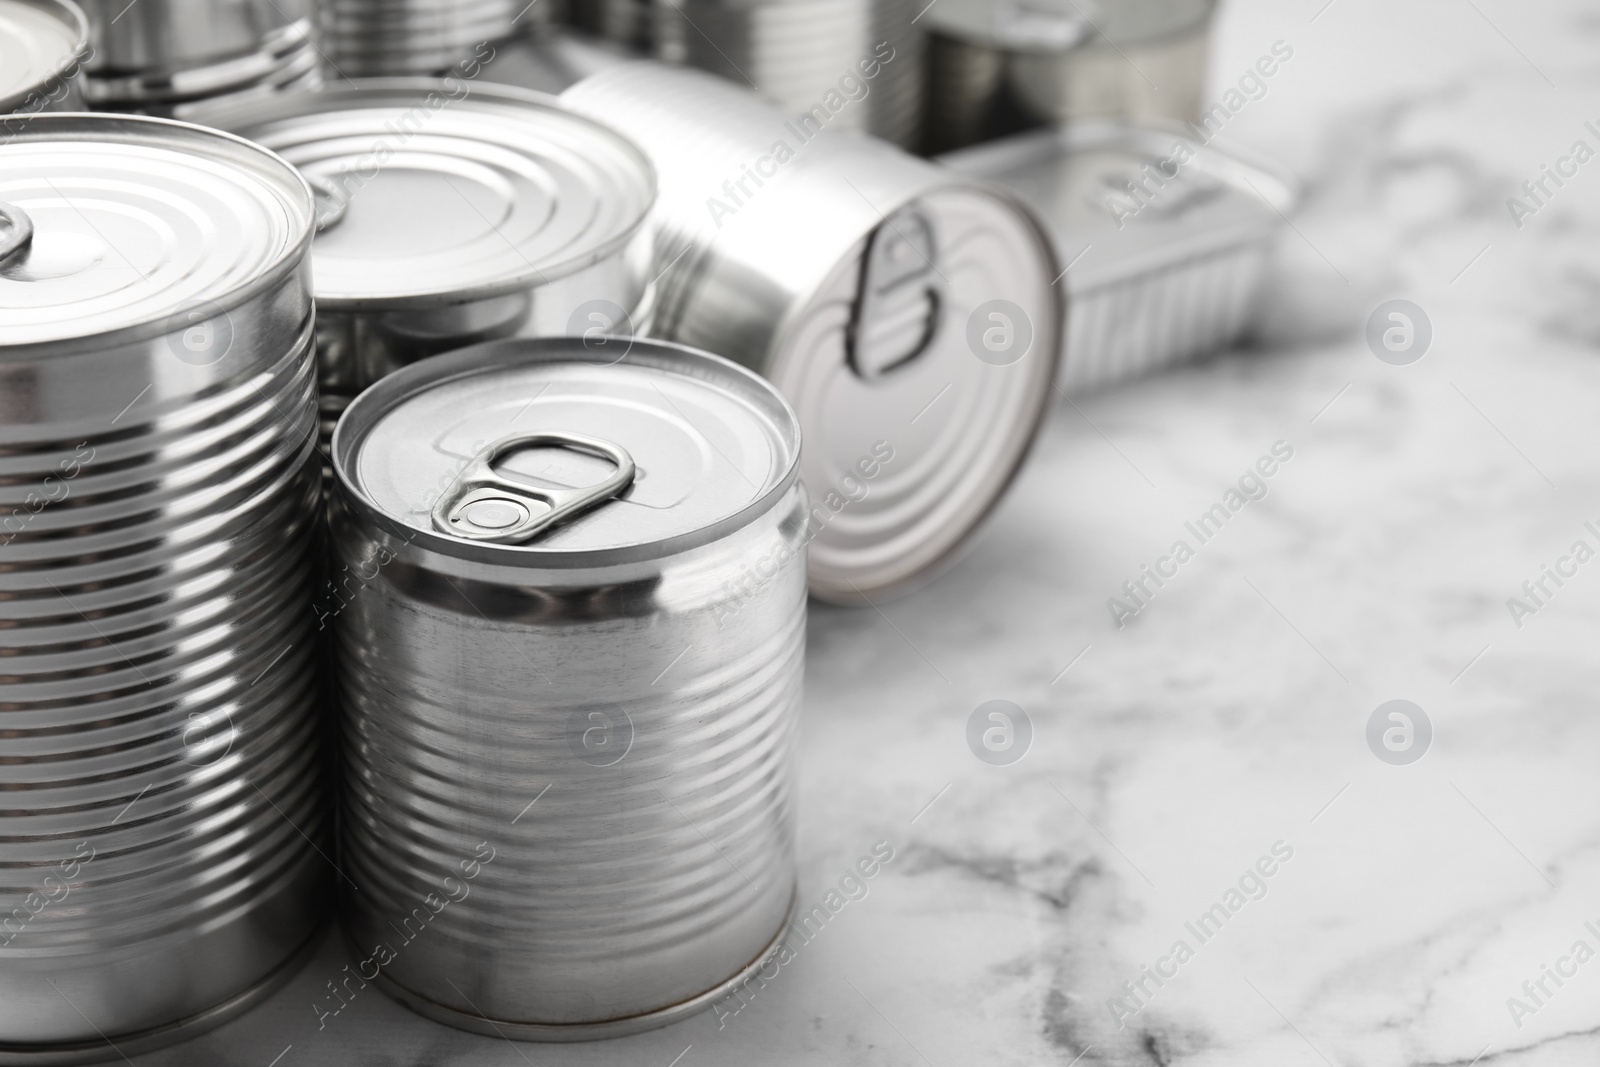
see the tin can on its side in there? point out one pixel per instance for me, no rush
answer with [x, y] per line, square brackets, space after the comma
[44, 45]
[1168, 238]
[569, 670]
[158, 487]
[455, 213]
[907, 311]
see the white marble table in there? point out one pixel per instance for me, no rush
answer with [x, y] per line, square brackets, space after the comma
[1230, 715]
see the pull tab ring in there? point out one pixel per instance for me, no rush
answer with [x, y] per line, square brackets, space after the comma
[482, 506]
[19, 239]
[329, 201]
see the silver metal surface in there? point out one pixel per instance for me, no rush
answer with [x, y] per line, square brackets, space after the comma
[157, 486]
[43, 46]
[468, 212]
[287, 60]
[999, 66]
[807, 54]
[386, 38]
[766, 270]
[1168, 238]
[555, 61]
[173, 35]
[568, 793]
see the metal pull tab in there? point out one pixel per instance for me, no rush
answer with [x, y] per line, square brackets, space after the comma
[896, 313]
[14, 243]
[480, 505]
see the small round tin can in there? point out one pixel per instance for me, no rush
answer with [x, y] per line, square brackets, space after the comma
[454, 213]
[908, 312]
[43, 47]
[569, 671]
[159, 870]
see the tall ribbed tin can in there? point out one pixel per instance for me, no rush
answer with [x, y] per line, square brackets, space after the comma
[456, 213]
[157, 483]
[569, 669]
[908, 312]
[43, 46]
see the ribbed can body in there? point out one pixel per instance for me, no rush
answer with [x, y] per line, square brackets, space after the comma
[161, 775]
[568, 799]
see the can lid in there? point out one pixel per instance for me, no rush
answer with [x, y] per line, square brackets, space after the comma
[546, 453]
[39, 40]
[446, 190]
[136, 223]
[1123, 200]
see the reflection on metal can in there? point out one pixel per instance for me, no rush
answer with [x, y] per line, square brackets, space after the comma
[158, 482]
[850, 274]
[43, 46]
[452, 214]
[1168, 238]
[569, 671]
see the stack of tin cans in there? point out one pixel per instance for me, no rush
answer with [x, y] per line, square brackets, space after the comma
[160, 57]
[158, 486]
[377, 37]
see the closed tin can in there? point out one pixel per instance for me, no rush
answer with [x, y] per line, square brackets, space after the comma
[165, 55]
[1000, 66]
[43, 46]
[385, 38]
[569, 670]
[865, 284]
[1168, 238]
[158, 477]
[454, 213]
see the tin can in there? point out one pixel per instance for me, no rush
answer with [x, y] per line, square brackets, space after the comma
[174, 53]
[802, 54]
[865, 284]
[43, 46]
[1000, 66]
[454, 213]
[158, 865]
[385, 38]
[1168, 238]
[569, 669]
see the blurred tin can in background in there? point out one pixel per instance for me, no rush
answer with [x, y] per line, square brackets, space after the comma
[163, 56]
[1168, 238]
[158, 486]
[43, 46]
[384, 38]
[453, 213]
[570, 682]
[1000, 66]
[905, 310]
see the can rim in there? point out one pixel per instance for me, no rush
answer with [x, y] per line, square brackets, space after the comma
[365, 411]
[76, 18]
[162, 132]
[231, 114]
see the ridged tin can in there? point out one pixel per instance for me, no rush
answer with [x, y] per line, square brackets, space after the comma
[569, 669]
[1168, 238]
[865, 284]
[455, 213]
[43, 47]
[158, 481]
[391, 38]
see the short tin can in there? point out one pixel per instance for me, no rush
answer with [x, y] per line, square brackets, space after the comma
[159, 866]
[569, 670]
[905, 310]
[454, 213]
[1168, 238]
[43, 47]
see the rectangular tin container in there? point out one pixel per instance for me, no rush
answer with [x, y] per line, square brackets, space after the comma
[1165, 239]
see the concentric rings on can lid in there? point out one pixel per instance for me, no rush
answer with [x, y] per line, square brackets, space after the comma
[451, 190]
[137, 219]
[39, 40]
[662, 450]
